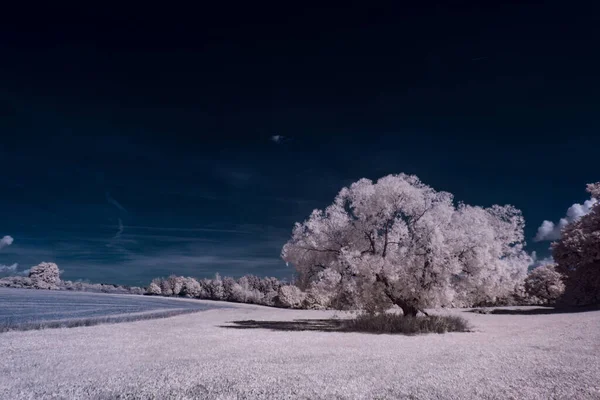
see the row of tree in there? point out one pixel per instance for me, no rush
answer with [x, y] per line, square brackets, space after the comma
[46, 275]
[542, 286]
[247, 289]
[399, 242]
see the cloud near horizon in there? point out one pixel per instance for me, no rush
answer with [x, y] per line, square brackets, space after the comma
[8, 268]
[548, 230]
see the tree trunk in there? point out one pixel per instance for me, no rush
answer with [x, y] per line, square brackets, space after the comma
[408, 308]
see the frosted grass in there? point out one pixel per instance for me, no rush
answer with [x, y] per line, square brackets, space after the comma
[196, 356]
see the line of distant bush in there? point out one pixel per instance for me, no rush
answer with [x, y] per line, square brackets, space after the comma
[542, 286]
[46, 275]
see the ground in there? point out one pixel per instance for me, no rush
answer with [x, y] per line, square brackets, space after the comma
[204, 356]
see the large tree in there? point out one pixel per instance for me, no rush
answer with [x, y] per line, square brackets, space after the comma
[577, 254]
[401, 239]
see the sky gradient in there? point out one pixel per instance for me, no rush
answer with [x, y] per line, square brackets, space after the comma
[139, 143]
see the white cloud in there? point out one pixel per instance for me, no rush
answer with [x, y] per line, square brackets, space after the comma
[538, 262]
[8, 268]
[6, 241]
[277, 138]
[548, 230]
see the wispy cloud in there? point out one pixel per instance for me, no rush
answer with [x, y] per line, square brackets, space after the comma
[235, 175]
[212, 261]
[549, 230]
[8, 268]
[173, 229]
[6, 241]
[120, 230]
[115, 202]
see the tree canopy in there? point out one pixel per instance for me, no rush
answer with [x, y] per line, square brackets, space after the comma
[577, 254]
[400, 239]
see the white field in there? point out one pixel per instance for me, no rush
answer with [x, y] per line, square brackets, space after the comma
[554, 356]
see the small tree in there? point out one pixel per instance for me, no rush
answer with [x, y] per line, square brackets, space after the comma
[165, 286]
[290, 296]
[192, 288]
[251, 294]
[176, 284]
[421, 249]
[216, 289]
[228, 288]
[544, 285]
[45, 275]
[577, 254]
[153, 289]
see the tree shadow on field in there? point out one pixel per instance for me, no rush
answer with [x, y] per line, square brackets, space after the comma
[540, 310]
[322, 325]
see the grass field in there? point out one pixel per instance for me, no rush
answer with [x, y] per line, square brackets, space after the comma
[24, 309]
[205, 355]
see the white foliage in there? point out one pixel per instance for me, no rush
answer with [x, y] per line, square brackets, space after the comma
[324, 288]
[217, 291]
[290, 296]
[154, 289]
[165, 287]
[544, 284]
[577, 255]
[413, 239]
[192, 288]
[176, 284]
[45, 275]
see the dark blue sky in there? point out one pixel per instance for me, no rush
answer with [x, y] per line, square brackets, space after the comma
[163, 119]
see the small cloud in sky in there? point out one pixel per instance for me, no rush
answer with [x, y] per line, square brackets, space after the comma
[549, 230]
[278, 138]
[8, 268]
[6, 241]
[538, 262]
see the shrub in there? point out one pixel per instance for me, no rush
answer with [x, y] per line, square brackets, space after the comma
[154, 289]
[544, 285]
[176, 284]
[289, 297]
[410, 325]
[18, 282]
[216, 288]
[315, 301]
